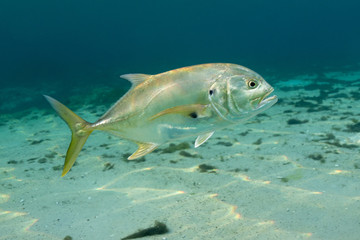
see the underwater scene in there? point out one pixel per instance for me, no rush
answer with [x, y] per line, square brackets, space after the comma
[231, 120]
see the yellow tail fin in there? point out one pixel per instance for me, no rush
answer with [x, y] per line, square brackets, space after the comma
[80, 130]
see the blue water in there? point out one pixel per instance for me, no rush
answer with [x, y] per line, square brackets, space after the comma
[75, 51]
[60, 41]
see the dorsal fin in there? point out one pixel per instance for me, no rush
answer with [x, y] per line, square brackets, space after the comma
[136, 78]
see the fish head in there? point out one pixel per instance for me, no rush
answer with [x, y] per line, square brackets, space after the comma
[240, 94]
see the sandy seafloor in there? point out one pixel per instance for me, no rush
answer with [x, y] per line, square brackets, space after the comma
[292, 172]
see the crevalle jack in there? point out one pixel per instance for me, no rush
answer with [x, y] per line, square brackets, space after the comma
[185, 102]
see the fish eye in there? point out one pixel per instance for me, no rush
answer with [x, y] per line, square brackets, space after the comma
[252, 84]
[211, 92]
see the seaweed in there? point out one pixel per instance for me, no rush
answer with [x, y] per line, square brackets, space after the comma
[353, 127]
[305, 104]
[320, 108]
[108, 155]
[296, 175]
[187, 154]
[206, 168]
[258, 142]
[50, 155]
[284, 179]
[329, 136]
[288, 89]
[355, 94]
[330, 139]
[337, 143]
[240, 170]
[244, 133]
[226, 144]
[33, 142]
[159, 228]
[57, 168]
[42, 160]
[294, 121]
[324, 118]
[176, 147]
[317, 157]
[263, 115]
[108, 166]
[41, 132]
[340, 95]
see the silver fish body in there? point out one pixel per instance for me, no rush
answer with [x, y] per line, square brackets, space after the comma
[189, 101]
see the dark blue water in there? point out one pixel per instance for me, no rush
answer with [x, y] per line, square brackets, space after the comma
[61, 45]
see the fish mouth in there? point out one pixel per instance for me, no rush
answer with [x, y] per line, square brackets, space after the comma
[268, 102]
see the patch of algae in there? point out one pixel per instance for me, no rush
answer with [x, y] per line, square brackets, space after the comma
[296, 175]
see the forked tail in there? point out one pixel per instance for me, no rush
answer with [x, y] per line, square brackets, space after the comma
[80, 131]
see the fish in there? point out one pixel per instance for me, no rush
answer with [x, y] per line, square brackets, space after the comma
[192, 101]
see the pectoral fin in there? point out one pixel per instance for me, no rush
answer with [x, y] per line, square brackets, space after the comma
[144, 148]
[202, 138]
[191, 110]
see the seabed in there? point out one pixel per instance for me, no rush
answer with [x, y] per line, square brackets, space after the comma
[292, 172]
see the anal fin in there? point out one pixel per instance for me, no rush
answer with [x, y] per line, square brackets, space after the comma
[202, 138]
[144, 148]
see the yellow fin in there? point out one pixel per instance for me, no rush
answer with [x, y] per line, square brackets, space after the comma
[202, 138]
[144, 148]
[192, 110]
[80, 131]
[136, 78]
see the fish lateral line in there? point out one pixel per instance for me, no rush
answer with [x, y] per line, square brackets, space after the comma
[191, 110]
